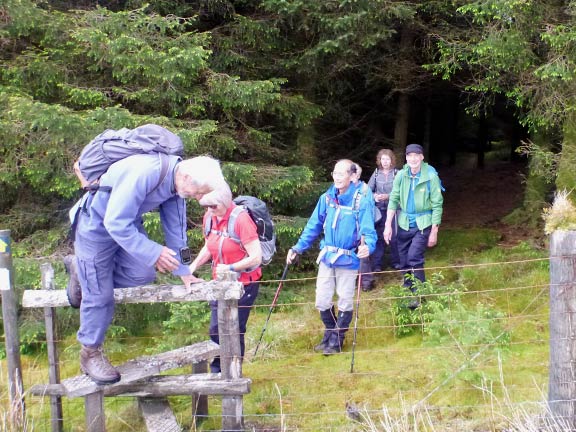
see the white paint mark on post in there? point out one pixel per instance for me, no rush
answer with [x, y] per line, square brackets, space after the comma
[4, 279]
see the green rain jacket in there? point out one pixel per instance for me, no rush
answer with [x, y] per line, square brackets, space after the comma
[427, 197]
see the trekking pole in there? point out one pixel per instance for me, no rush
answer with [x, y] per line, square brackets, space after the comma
[356, 319]
[272, 306]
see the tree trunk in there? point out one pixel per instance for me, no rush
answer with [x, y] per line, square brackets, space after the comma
[403, 107]
[402, 117]
[482, 142]
[427, 129]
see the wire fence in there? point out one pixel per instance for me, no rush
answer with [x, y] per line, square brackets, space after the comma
[294, 388]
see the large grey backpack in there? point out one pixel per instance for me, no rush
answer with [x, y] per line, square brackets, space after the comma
[113, 145]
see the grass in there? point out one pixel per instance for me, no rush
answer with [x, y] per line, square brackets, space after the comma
[399, 383]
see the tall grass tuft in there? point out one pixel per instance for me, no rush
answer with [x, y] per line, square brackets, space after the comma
[562, 215]
[506, 415]
[12, 418]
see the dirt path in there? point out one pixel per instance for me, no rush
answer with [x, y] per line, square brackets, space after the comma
[480, 197]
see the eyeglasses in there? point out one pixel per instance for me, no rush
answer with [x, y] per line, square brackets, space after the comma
[211, 206]
[339, 174]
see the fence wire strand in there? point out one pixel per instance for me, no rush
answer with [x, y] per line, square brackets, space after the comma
[472, 356]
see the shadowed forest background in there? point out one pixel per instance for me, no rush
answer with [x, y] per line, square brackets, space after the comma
[284, 89]
[279, 90]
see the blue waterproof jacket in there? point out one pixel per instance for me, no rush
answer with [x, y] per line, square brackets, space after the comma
[342, 225]
[117, 215]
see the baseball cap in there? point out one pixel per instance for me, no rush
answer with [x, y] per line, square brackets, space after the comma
[414, 148]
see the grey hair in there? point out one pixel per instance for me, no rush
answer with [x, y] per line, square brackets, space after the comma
[203, 171]
[219, 196]
[351, 165]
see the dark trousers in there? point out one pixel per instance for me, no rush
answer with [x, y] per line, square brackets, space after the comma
[412, 245]
[244, 307]
[375, 263]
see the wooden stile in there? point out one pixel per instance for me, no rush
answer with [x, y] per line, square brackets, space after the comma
[140, 377]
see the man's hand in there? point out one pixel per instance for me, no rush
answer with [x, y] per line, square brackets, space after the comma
[433, 238]
[387, 233]
[166, 261]
[190, 279]
[291, 257]
[363, 251]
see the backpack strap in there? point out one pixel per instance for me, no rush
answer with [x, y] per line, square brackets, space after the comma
[164, 165]
[229, 233]
[375, 178]
[356, 198]
[232, 223]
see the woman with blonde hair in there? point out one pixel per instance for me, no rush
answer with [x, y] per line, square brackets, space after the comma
[227, 254]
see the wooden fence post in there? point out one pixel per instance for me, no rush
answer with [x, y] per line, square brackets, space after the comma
[230, 358]
[94, 407]
[199, 402]
[562, 374]
[11, 337]
[56, 416]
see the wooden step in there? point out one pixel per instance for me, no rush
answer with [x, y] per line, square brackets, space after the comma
[175, 385]
[212, 290]
[145, 366]
[162, 385]
[158, 415]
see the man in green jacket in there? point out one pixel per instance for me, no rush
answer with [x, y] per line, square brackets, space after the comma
[417, 193]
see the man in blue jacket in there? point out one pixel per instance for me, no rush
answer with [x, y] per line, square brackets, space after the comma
[346, 219]
[112, 249]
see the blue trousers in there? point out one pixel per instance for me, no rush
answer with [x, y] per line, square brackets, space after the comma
[244, 307]
[412, 245]
[103, 266]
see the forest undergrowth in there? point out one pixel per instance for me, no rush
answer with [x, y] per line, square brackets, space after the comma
[473, 357]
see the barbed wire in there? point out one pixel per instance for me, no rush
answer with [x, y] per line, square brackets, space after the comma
[473, 355]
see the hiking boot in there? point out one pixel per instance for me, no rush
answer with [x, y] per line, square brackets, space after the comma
[368, 287]
[328, 317]
[333, 346]
[321, 346]
[329, 350]
[414, 304]
[73, 289]
[96, 365]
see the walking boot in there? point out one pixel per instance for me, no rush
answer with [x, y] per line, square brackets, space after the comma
[333, 346]
[73, 289]
[329, 319]
[95, 364]
[336, 341]
[369, 286]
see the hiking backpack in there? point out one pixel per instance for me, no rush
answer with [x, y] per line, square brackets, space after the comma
[259, 213]
[359, 193]
[113, 145]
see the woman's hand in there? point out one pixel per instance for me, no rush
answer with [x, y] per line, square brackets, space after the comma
[190, 279]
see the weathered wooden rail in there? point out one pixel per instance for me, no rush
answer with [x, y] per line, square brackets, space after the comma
[141, 377]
